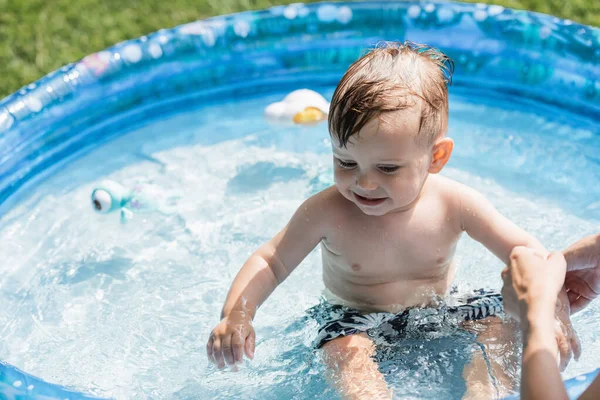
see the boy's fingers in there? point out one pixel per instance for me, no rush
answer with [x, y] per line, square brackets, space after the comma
[237, 344]
[209, 349]
[227, 350]
[217, 355]
[250, 343]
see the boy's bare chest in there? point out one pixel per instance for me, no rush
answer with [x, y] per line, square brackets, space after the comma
[400, 248]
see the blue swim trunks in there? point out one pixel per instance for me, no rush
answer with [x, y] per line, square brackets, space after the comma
[338, 320]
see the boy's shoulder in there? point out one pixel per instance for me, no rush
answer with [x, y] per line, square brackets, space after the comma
[453, 192]
[446, 187]
[327, 199]
[329, 205]
[323, 209]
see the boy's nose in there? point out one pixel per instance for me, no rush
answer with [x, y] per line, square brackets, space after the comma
[365, 182]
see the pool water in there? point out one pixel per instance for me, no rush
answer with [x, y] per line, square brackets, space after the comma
[124, 311]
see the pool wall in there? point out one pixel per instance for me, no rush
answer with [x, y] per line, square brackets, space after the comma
[518, 52]
[44, 125]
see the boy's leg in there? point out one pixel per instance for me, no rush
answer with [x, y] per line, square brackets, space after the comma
[494, 374]
[352, 368]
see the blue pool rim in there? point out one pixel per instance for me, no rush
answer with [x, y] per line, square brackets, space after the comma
[70, 111]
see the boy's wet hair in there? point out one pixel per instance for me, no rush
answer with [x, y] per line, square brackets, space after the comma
[393, 76]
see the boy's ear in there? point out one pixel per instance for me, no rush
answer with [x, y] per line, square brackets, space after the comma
[442, 149]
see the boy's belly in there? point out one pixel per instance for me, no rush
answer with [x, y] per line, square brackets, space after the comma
[388, 297]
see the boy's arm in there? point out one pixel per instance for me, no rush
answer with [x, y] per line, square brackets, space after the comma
[273, 262]
[481, 220]
[260, 275]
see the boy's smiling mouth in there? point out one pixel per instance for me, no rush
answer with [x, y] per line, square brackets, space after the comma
[368, 201]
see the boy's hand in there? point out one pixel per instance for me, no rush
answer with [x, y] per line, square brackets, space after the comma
[566, 337]
[230, 339]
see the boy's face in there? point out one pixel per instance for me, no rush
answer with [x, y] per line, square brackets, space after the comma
[384, 167]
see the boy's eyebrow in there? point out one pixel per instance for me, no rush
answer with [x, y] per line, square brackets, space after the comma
[338, 151]
[342, 157]
[388, 161]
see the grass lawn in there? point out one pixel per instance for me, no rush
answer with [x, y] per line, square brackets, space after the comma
[39, 36]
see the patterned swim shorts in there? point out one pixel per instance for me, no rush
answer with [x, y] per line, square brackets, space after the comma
[338, 320]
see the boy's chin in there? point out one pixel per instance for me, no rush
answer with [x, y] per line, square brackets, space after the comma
[384, 209]
[373, 212]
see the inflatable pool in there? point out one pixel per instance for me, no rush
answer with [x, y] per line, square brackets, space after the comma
[115, 310]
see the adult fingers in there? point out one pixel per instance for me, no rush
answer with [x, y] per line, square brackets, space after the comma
[505, 274]
[564, 350]
[509, 301]
[558, 258]
[507, 291]
[564, 353]
[581, 289]
[523, 252]
[559, 262]
[579, 303]
[518, 253]
[250, 344]
[575, 345]
[573, 296]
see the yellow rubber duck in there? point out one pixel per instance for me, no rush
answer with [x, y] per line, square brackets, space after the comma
[303, 106]
[309, 116]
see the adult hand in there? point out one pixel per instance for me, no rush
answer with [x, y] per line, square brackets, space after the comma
[582, 280]
[567, 339]
[582, 286]
[533, 292]
[532, 281]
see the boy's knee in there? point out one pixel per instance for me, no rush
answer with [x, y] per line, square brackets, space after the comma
[345, 350]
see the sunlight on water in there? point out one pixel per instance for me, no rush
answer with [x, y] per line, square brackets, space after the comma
[125, 310]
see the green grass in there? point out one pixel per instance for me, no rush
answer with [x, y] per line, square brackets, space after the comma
[39, 36]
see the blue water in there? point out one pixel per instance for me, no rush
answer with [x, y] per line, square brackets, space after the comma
[125, 310]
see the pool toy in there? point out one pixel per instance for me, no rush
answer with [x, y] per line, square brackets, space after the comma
[303, 106]
[111, 196]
